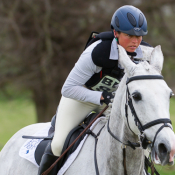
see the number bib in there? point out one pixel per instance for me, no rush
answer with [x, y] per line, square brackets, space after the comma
[107, 83]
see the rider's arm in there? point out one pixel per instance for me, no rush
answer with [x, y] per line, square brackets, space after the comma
[80, 74]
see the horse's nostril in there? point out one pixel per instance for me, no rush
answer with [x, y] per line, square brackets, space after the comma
[162, 148]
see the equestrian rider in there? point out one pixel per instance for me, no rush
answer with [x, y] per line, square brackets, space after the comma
[95, 76]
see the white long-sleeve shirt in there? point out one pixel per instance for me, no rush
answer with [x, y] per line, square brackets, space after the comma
[83, 70]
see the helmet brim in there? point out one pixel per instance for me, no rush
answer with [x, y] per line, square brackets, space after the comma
[135, 32]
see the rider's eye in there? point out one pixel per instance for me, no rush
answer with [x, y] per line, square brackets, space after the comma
[136, 96]
[171, 94]
[128, 35]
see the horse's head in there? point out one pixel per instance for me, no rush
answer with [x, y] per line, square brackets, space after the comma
[149, 98]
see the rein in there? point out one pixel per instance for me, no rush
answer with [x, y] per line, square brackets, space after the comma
[51, 167]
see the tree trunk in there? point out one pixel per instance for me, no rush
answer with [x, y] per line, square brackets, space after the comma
[46, 101]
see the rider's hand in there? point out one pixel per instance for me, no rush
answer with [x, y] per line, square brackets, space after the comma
[106, 97]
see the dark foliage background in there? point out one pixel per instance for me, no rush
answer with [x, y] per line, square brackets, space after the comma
[40, 41]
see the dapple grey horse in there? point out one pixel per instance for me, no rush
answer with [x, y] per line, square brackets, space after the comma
[150, 100]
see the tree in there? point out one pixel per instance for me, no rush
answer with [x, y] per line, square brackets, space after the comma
[42, 39]
[160, 16]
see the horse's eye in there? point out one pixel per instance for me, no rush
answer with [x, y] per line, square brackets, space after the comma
[171, 94]
[136, 96]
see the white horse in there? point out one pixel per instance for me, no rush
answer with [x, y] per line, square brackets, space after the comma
[150, 99]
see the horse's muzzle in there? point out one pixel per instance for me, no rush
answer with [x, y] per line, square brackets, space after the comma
[163, 153]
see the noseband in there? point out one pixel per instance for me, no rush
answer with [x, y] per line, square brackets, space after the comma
[144, 142]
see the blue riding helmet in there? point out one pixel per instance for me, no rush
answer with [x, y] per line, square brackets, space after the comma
[130, 20]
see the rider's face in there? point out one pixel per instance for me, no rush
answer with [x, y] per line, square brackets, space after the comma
[128, 42]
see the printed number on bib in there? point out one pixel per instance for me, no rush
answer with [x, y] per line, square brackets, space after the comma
[107, 83]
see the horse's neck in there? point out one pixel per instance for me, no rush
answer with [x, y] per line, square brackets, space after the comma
[118, 120]
[112, 148]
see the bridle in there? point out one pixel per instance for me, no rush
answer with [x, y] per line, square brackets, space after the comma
[142, 128]
[144, 142]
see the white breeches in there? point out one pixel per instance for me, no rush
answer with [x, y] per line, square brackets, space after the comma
[70, 113]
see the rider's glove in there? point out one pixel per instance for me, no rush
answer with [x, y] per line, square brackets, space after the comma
[108, 96]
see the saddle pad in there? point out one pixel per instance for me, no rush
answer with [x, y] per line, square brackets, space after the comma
[28, 149]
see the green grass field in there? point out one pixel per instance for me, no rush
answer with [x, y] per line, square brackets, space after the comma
[14, 115]
[20, 112]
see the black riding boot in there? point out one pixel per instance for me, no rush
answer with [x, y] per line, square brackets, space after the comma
[47, 160]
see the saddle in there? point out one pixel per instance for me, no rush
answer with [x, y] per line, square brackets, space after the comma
[73, 134]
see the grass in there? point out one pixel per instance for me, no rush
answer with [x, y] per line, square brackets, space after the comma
[172, 111]
[20, 112]
[14, 115]
[166, 170]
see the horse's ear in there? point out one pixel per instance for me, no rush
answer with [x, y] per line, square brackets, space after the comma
[125, 61]
[157, 58]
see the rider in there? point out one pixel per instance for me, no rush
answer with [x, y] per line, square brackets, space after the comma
[90, 84]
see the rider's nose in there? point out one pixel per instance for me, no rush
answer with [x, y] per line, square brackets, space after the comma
[134, 39]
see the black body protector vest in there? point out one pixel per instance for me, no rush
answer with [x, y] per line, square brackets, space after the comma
[110, 75]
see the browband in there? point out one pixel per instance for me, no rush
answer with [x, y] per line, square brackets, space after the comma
[143, 77]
